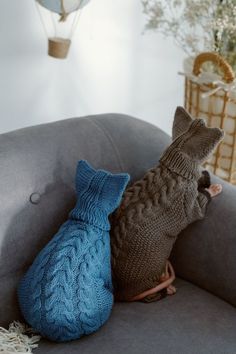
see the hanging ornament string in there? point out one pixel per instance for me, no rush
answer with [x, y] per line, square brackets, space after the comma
[63, 13]
[54, 23]
[63, 18]
[75, 21]
[41, 19]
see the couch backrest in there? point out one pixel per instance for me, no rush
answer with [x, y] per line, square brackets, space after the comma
[37, 168]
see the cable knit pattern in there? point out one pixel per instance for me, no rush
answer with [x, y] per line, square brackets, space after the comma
[67, 291]
[158, 207]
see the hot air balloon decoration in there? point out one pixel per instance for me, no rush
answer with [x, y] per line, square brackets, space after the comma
[60, 15]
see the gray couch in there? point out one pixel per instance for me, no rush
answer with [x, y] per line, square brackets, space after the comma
[37, 168]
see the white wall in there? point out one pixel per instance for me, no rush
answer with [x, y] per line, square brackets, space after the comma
[112, 67]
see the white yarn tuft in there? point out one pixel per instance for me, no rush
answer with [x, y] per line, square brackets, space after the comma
[19, 338]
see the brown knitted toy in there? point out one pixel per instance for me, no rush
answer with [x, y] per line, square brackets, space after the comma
[155, 209]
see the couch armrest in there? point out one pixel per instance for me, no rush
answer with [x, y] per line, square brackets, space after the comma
[205, 252]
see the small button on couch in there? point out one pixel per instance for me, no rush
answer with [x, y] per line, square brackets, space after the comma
[37, 171]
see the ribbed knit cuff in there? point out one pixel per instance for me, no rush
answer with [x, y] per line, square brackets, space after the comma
[178, 162]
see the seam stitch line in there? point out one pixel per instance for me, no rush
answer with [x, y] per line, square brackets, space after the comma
[107, 134]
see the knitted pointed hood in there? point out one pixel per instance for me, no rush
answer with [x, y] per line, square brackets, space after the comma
[191, 148]
[99, 193]
[182, 122]
[198, 141]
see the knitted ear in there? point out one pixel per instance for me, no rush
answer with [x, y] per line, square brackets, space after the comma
[201, 140]
[113, 190]
[84, 174]
[182, 121]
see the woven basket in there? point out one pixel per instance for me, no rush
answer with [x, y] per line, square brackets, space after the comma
[58, 47]
[217, 105]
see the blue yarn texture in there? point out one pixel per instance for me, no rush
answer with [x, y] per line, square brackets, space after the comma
[67, 291]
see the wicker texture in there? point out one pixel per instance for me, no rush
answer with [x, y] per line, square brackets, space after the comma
[219, 110]
[217, 60]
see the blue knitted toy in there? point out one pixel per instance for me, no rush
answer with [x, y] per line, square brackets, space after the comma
[67, 291]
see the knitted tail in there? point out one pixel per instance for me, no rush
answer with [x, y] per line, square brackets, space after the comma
[159, 287]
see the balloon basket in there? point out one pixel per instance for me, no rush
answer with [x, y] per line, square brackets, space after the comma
[58, 47]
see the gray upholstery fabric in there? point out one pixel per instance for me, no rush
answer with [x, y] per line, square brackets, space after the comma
[191, 322]
[37, 182]
[37, 192]
[205, 252]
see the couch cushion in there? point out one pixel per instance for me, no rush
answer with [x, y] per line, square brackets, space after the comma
[37, 182]
[192, 321]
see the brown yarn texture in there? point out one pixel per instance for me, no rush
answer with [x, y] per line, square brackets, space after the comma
[155, 209]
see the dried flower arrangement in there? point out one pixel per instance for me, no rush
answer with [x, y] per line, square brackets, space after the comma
[196, 25]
